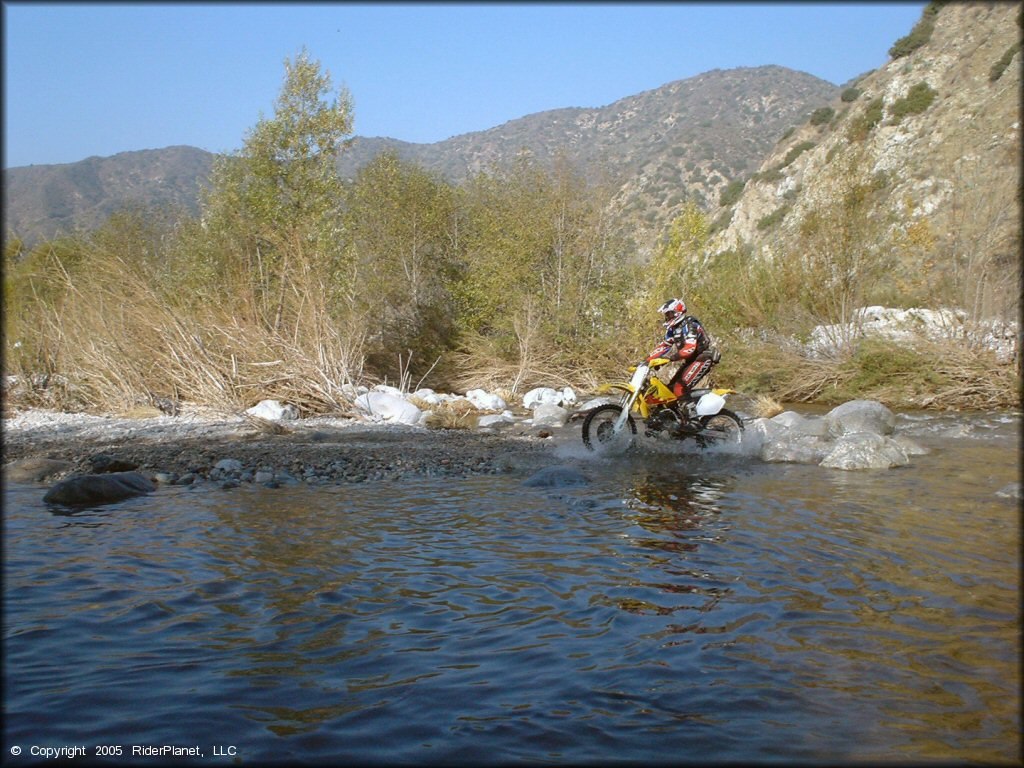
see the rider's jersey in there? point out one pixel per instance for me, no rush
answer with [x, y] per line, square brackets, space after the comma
[689, 338]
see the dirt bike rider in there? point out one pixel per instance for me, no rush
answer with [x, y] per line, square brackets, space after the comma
[689, 344]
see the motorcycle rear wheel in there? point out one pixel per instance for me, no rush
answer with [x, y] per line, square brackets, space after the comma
[599, 428]
[723, 428]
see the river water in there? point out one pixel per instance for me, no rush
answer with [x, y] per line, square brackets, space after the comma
[677, 607]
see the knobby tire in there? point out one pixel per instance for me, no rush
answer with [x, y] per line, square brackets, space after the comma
[723, 428]
[597, 427]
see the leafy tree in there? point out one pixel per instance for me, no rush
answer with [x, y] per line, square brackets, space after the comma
[274, 204]
[402, 226]
[684, 247]
[542, 272]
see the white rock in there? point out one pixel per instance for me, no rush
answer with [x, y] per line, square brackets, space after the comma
[387, 389]
[490, 420]
[568, 396]
[910, 325]
[273, 410]
[484, 401]
[549, 415]
[352, 392]
[228, 465]
[540, 395]
[382, 406]
[427, 395]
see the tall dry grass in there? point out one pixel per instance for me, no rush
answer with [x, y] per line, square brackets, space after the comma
[119, 337]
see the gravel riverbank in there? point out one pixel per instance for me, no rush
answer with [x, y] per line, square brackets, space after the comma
[228, 448]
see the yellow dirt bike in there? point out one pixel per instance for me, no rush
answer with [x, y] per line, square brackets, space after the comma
[702, 415]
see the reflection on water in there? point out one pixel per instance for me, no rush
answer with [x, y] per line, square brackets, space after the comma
[688, 607]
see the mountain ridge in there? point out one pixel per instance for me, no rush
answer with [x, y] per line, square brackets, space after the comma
[685, 139]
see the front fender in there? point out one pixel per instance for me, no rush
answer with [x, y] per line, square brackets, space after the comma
[604, 389]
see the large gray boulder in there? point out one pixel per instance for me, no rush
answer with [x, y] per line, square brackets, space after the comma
[796, 449]
[865, 450]
[98, 489]
[763, 431]
[860, 416]
[802, 425]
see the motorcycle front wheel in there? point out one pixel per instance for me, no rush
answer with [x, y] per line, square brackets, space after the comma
[724, 428]
[599, 428]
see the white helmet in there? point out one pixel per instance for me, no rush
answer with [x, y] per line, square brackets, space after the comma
[673, 310]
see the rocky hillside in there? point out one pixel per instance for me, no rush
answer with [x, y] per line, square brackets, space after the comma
[42, 200]
[932, 141]
[688, 138]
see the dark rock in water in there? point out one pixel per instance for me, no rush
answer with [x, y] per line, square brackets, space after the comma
[555, 477]
[102, 464]
[98, 489]
[35, 470]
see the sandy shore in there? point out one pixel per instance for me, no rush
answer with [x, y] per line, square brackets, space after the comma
[188, 448]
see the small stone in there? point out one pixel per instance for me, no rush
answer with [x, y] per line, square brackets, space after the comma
[228, 465]
[102, 463]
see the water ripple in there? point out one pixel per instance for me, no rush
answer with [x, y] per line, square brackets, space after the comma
[742, 612]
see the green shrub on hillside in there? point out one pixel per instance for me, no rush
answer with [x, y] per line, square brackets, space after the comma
[917, 100]
[919, 35]
[769, 175]
[851, 94]
[723, 220]
[773, 218]
[732, 192]
[862, 124]
[795, 152]
[1000, 66]
[822, 115]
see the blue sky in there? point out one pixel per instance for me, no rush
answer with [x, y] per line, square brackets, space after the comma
[86, 79]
